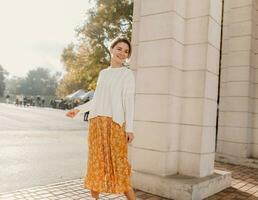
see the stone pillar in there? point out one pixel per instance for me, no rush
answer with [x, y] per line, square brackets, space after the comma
[254, 141]
[238, 121]
[176, 59]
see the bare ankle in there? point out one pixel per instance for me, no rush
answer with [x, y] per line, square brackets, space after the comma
[130, 195]
[94, 194]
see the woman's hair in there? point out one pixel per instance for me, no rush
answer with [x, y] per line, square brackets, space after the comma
[122, 39]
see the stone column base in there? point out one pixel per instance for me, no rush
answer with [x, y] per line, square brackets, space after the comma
[179, 187]
[248, 162]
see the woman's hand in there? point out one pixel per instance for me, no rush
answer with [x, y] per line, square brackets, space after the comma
[129, 137]
[72, 113]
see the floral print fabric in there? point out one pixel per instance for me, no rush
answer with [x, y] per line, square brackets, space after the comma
[108, 168]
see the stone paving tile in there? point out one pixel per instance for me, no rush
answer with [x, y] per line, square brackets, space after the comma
[69, 190]
[244, 183]
[244, 186]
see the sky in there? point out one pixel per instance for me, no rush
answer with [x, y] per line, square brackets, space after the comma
[33, 33]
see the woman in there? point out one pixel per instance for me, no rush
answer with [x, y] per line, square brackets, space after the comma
[111, 126]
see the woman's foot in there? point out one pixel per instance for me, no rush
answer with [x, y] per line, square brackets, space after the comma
[130, 194]
[94, 194]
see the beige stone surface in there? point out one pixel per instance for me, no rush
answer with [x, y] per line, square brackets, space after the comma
[160, 26]
[135, 38]
[212, 60]
[255, 105]
[194, 83]
[194, 57]
[197, 8]
[157, 136]
[241, 150]
[160, 163]
[236, 104]
[150, 7]
[215, 10]
[239, 73]
[239, 14]
[201, 164]
[255, 120]
[153, 80]
[213, 33]
[255, 150]
[177, 61]
[175, 109]
[239, 43]
[256, 31]
[133, 59]
[255, 136]
[239, 58]
[240, 3]
[255, 45]
[183, 187]
[237, 89]
[159, 53]
[240, 29]
[196, 30]
[176, 82]
[191, 114]
[235, 119]
[234, 134]
[136, 10]
[204, 138]
[151, 107]
[211, 86]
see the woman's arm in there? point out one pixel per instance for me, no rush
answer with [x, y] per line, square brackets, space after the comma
[129, 95]
[84, 107]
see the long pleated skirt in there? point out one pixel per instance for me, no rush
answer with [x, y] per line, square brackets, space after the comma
[108, 169]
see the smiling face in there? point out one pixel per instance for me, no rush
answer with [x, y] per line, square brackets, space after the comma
[119, 53]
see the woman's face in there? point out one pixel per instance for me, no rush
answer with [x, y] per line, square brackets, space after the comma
[120, 52]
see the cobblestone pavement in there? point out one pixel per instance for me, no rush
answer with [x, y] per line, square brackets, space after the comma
[244, 183]
[244, 187]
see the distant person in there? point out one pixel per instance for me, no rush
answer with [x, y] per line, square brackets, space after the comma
[86, 115]
[32, 99]
[25, 101]
[7, 98]
[38, 100]
[43, 102]
[17, 100]
[20, 100]
[111, 126]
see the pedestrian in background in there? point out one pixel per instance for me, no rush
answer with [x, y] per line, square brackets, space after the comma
[7, 98]
[111, 126]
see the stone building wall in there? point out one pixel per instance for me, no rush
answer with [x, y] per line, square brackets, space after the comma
[238, 116]
[176, 62]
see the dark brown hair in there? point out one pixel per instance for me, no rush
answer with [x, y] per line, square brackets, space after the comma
[122, 39]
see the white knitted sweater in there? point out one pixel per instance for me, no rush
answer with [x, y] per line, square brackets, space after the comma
[114, 96]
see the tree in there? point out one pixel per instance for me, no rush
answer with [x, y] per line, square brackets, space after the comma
[3, 73]
[13, 85]
[37, 82]
[84, 60]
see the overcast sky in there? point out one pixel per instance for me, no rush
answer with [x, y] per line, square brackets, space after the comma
[33, 33]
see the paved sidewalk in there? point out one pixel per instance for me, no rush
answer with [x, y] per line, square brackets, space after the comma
[69, 190]
[244, 186]
[244, 183]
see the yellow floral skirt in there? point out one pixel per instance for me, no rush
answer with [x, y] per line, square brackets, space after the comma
[108, 167]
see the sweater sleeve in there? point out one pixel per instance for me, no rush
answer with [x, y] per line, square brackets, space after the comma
[88, 106]
[85, 107]
[128, 96]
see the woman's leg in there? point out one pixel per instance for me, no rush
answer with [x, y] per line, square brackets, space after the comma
[130, 194]
[94, 194]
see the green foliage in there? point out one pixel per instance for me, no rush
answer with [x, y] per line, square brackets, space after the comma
[37, 82]
[13, 85]
[83, 61]
[3, 73]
